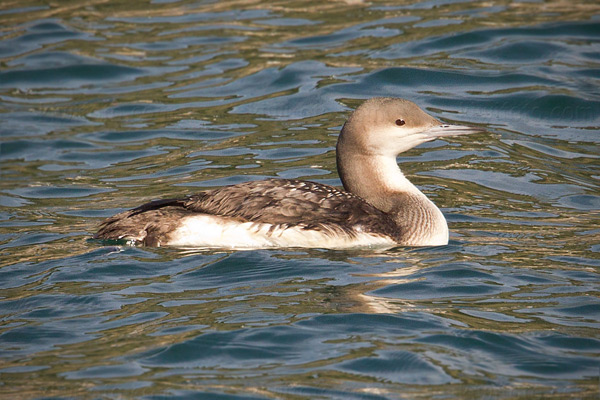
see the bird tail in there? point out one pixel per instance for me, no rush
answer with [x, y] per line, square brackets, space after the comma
[147, 224]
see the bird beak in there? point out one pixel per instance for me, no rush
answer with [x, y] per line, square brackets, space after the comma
[449, 130]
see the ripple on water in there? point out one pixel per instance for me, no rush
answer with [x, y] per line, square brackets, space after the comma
[39, 34]
[107, 107]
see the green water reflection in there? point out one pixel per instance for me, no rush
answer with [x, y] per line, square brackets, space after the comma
[105, 105]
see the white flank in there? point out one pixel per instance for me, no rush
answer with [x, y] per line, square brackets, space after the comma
[219, 232]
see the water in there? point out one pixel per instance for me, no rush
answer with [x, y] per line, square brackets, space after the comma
[105, 105]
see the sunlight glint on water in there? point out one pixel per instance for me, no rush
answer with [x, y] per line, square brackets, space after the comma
[104, 106]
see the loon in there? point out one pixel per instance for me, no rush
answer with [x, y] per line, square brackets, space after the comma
[379, 206]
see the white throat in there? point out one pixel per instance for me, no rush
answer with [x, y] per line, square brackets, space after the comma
[390, 175]
[379, 180]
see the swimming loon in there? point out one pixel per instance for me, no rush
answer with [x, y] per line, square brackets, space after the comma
[379, 206]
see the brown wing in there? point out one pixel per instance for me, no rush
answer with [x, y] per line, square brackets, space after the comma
[292, 202]
[281, 202]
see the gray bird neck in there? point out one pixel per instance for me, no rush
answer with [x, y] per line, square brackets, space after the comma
[379, 181]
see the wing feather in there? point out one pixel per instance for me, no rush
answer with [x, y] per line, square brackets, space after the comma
[292, 202]
[280, 202]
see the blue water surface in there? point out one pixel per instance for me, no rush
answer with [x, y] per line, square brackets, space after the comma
[106, 105]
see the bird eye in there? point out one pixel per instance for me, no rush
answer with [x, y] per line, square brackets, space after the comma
[400, 122]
